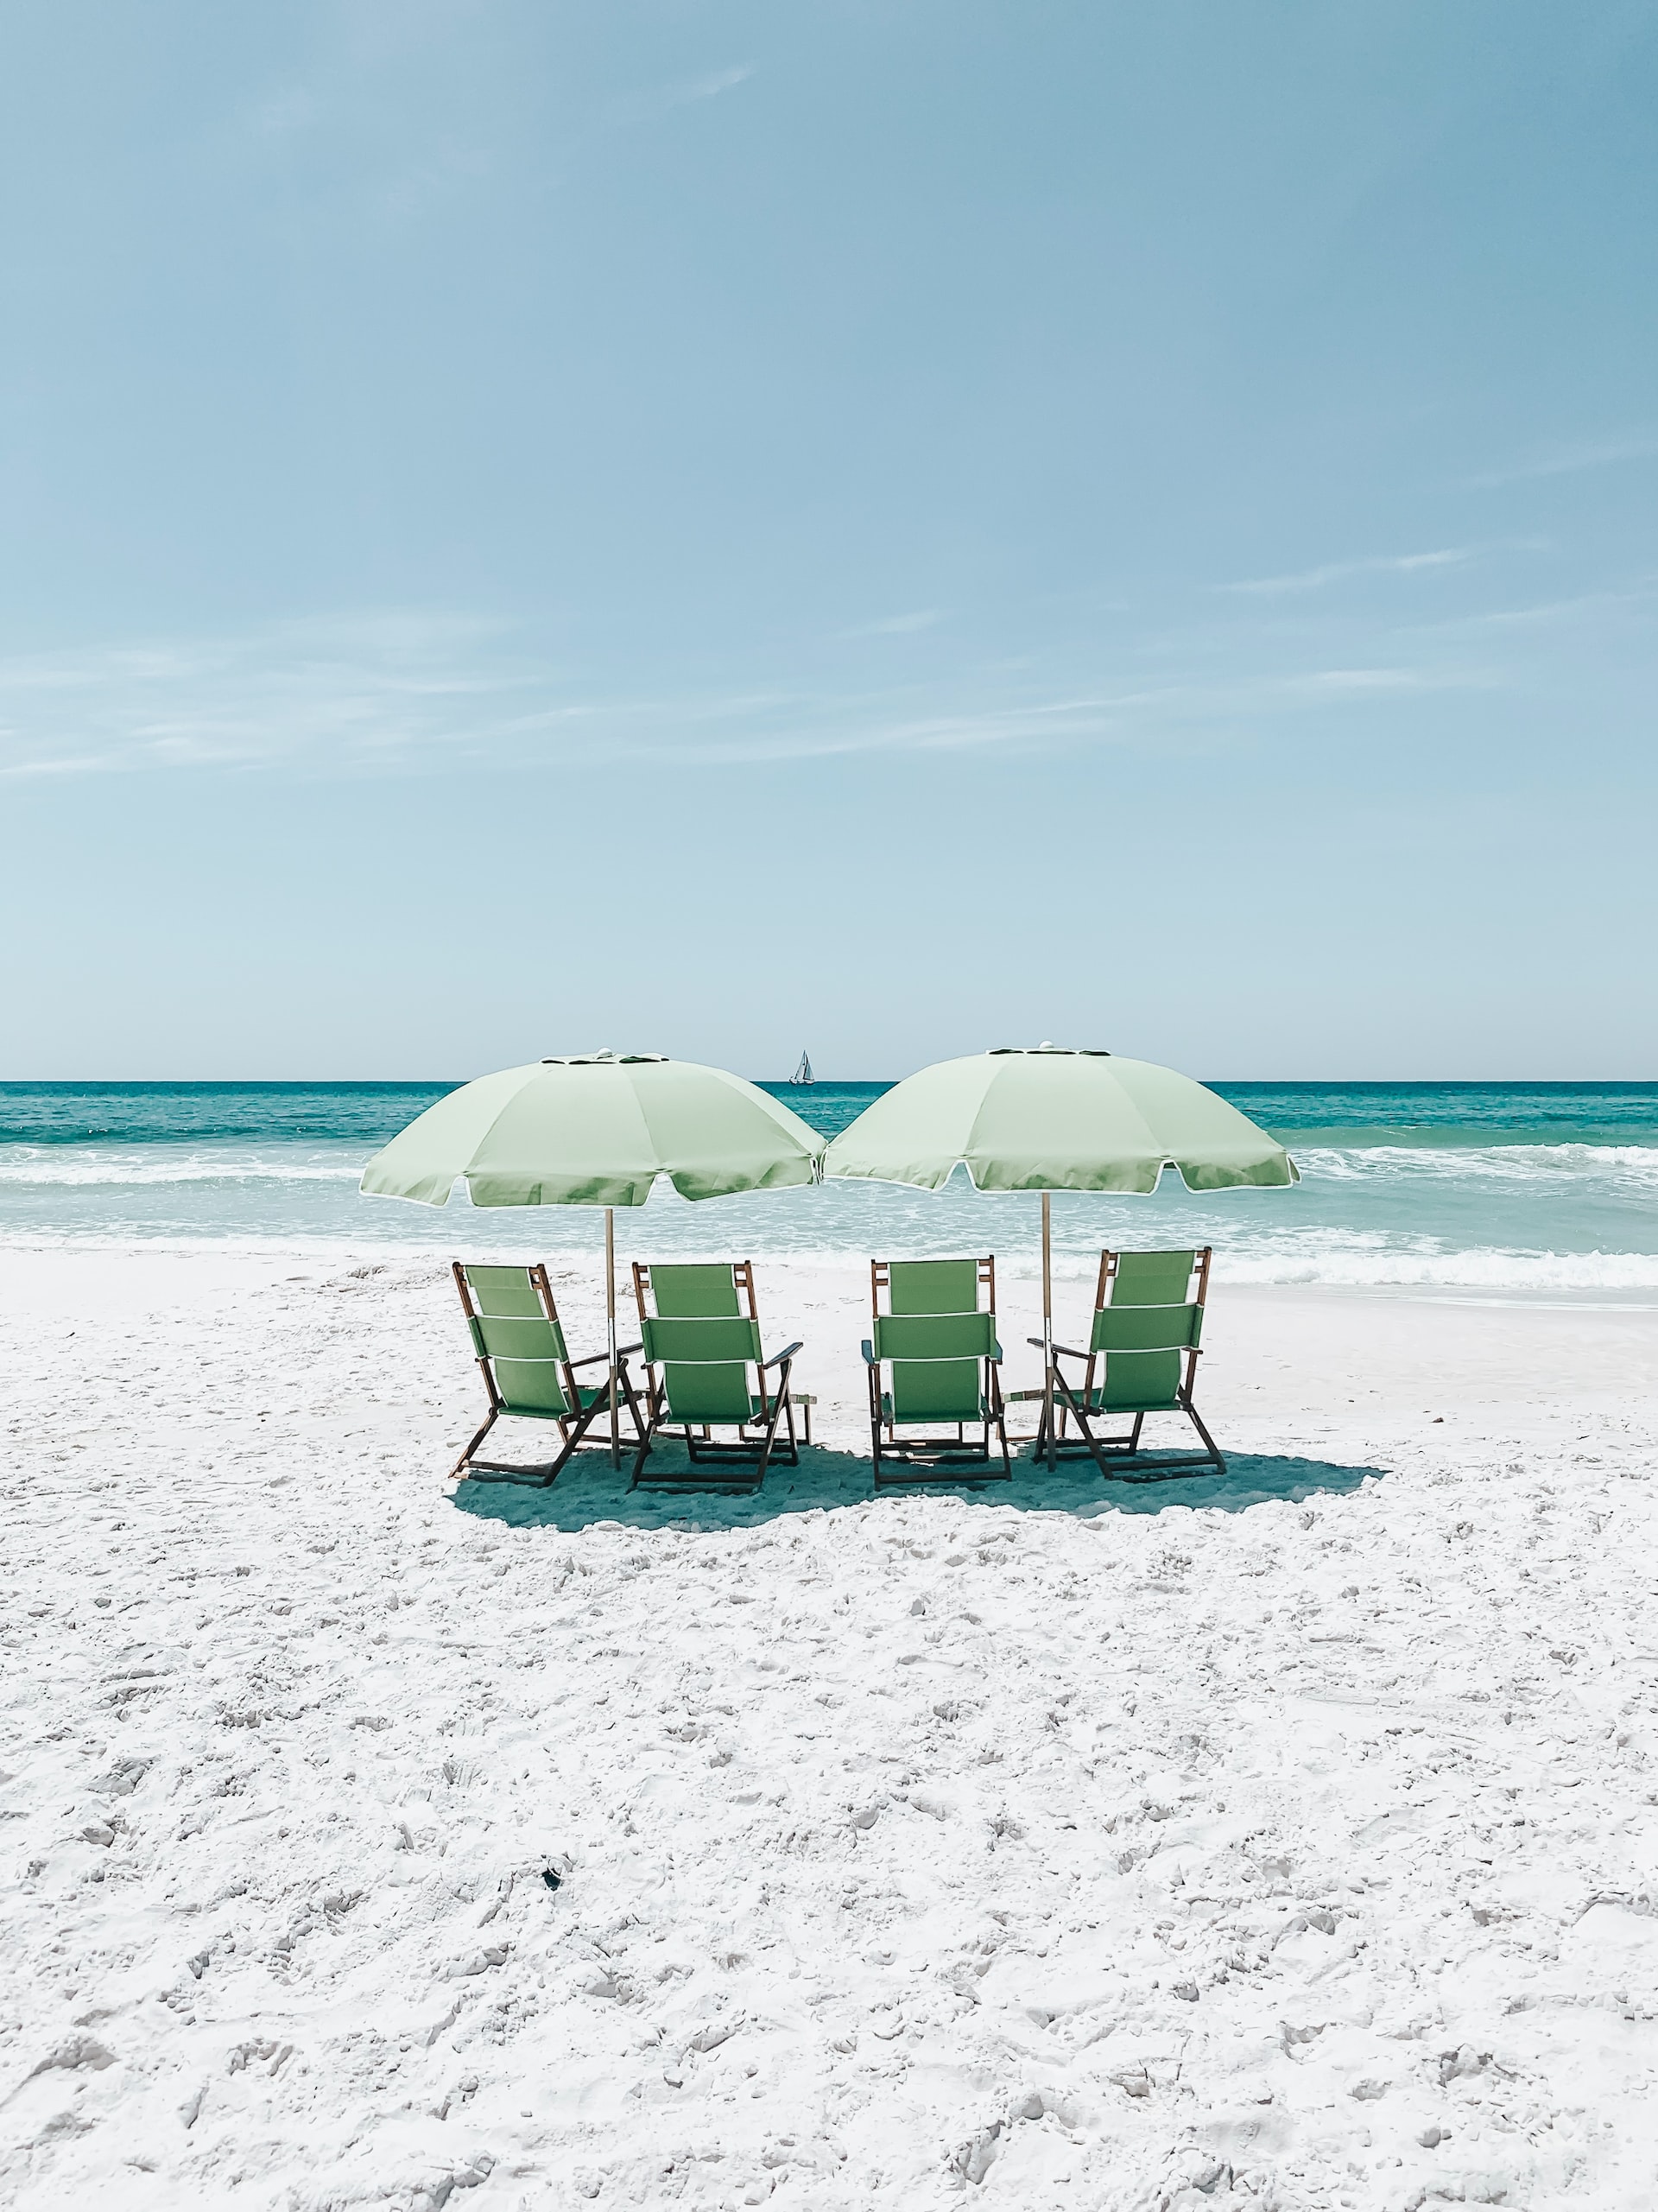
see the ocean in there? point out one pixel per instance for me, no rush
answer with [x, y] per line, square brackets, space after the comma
[1529, 1190]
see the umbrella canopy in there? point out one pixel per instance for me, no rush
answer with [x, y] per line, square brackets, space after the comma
[1053, 1119]
[596, 1129]
[1049, 1118]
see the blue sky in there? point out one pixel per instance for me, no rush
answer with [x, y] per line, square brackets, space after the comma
[889, 527]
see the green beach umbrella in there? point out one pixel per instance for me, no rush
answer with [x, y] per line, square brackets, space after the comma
[596, 1129]
[1051, 1119]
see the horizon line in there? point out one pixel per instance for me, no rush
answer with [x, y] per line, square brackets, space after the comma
[829, 1082]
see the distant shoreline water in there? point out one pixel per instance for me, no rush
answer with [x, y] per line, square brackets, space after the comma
[1369, 1112]
[1493, 1188]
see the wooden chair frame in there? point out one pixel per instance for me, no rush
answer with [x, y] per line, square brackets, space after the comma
[936, 1458]
[1120, 1458]
[572, 1427]
[756, 1440]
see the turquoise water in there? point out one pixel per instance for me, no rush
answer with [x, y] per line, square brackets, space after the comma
[1495, 1189]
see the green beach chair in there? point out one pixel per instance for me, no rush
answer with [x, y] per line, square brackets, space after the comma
[701, 1330]
[518, 1342]
[1141, 1358]
[936, 1342]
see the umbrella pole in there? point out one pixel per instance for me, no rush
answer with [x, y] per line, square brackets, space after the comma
[1047, 1330]
[610, 1317]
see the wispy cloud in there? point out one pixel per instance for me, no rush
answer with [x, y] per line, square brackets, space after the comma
[898, 625]
[1336, 572]
[382, 688]
[1567, 460]
[1601, 613]
[644, 105]
[1359, 683]
[811, 728]
[400, 693]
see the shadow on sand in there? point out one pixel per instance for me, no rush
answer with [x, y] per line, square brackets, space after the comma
[589, 1492]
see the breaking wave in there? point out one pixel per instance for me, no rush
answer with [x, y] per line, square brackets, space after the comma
[86, 1167]
[1569, 1218]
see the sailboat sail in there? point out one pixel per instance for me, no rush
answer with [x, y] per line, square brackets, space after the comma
[803, 1073]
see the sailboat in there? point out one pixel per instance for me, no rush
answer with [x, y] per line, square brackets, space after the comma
[803, 1073]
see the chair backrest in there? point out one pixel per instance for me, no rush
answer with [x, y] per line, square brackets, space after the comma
[518, 1336]
[699, 1338]
[1147, 1321]
[698, 1290]
[1150, 1278]
[935, 1335]
[935, 1286]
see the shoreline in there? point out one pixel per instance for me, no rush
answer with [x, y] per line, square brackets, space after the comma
[135, 1280]
[326, 1254]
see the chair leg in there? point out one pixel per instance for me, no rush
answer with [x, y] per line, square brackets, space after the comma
[998, 1420]
[771, 1437]
[1084, 1426]
[626, 1396]
[570, 1436]
[1214, 1449]
[646, 1437]
[569, 1439]
[460, 1465]
[1120, 1467]
[633, 1402]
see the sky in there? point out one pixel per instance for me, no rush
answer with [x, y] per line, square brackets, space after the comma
[887, 529]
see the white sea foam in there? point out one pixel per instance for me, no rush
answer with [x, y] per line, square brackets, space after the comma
[1491, 1268]
[1353, 1264]
[90, 1166]
[1522, 1163]
[78, 1165]
[1529, 1220]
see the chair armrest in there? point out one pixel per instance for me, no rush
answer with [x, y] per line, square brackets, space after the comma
[1069, 1352]
[778, 1358]
[868, 1351]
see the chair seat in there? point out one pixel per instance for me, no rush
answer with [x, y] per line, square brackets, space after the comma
[757, 1415]
[1096, 1401]
[590, 1395]
[979, 1411]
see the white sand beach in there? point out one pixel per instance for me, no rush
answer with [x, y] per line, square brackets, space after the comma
[1290, 1842]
